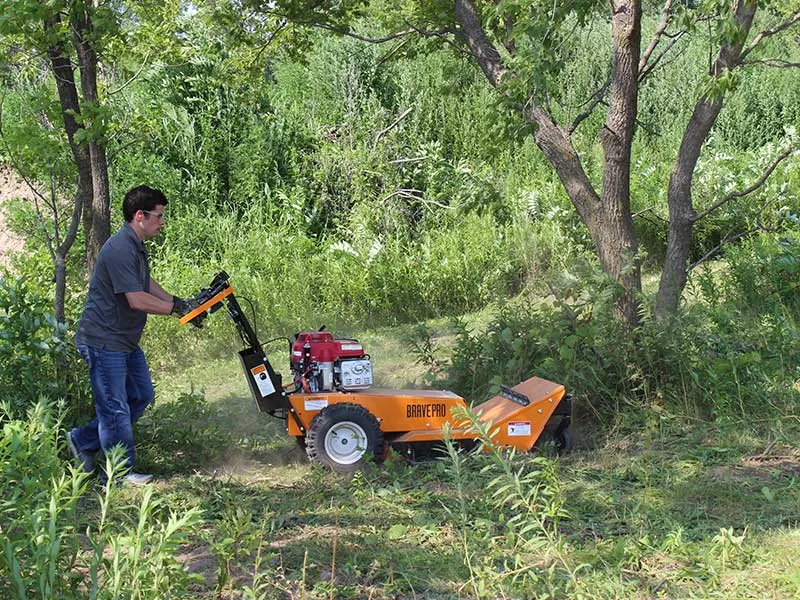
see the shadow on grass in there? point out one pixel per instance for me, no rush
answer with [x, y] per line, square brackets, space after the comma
[321, 519]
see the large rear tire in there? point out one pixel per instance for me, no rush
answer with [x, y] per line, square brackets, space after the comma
[342, 437]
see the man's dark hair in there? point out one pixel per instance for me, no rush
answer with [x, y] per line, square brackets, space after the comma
[139, 198]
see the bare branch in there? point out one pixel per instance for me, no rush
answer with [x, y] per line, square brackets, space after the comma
[768, 33]
[347, 32]
[775, 63]
[662, 27]
[652, 67]
[54, 208]
[445, 35]
[404, 193]
[394, 123]
[72, 232]
[281, 27]
[739, 194]
[386, 57]
[651, 210]
[400, 161]
[760, 227]
[716, 249]
[412, 194]
[132, 79]
[598, 97]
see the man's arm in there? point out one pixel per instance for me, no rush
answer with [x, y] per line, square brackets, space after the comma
[150, 303]
[157, 291]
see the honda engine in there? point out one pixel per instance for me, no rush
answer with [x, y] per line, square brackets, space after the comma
[321, 363]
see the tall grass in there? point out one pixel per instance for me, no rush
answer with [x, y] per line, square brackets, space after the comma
[353, 277]
[59, 540]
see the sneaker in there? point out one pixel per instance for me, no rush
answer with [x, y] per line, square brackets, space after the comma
[85, 458]
[137, 478]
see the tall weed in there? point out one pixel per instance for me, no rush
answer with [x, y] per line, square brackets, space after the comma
[58, 541]
[523, 501]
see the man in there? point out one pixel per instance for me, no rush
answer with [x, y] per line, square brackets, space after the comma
[121, 295]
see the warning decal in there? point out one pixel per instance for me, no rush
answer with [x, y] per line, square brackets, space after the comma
[519, 428]
[315, 404]
[263, 382]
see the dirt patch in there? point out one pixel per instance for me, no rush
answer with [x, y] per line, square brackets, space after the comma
[760, 468]
[199, 560]
[11, 186]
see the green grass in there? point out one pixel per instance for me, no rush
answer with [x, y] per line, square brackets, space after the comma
[679, 515]
[659, 507]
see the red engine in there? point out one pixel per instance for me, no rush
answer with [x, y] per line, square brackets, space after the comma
[323, 364]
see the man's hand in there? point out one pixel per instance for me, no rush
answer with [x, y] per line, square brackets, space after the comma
[181, 307]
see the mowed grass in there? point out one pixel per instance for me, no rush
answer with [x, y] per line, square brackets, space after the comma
[678, 510]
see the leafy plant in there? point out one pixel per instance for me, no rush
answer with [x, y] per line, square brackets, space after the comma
[37, 356]
[178, 435]
[52, 548]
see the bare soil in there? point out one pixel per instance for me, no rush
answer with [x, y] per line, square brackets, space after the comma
[11, 186]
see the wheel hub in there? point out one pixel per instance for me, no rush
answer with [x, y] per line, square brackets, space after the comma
[346, 442]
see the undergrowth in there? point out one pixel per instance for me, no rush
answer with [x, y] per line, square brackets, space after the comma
[63, 537]
[731, 356]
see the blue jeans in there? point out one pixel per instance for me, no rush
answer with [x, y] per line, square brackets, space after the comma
[122, 390]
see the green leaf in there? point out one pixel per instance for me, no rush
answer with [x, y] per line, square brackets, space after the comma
[396, 532]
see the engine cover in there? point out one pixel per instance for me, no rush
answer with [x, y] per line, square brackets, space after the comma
[322, 363]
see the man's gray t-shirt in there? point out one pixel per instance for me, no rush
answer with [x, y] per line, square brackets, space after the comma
[108, 322]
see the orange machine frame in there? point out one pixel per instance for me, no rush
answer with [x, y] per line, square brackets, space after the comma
[411, 416]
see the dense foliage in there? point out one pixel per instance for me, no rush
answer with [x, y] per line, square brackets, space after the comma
[38, 360]
[129, 551]
[734, 353]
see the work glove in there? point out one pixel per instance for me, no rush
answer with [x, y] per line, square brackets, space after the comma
[181, 307]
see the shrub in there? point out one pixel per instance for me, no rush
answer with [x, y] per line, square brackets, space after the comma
[37, 356]
[718, 362]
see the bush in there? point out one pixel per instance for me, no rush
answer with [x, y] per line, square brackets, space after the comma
[762, 274]
[712, 361]
[37, 356]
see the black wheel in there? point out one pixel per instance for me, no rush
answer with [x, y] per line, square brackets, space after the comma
[342, 436]
[562, 438]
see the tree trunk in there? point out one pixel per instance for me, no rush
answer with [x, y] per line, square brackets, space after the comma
[607, 218]
[99, 216]
[608, 221]
[679, 194]
[60, 273]
[70, 108]
[615, 237]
